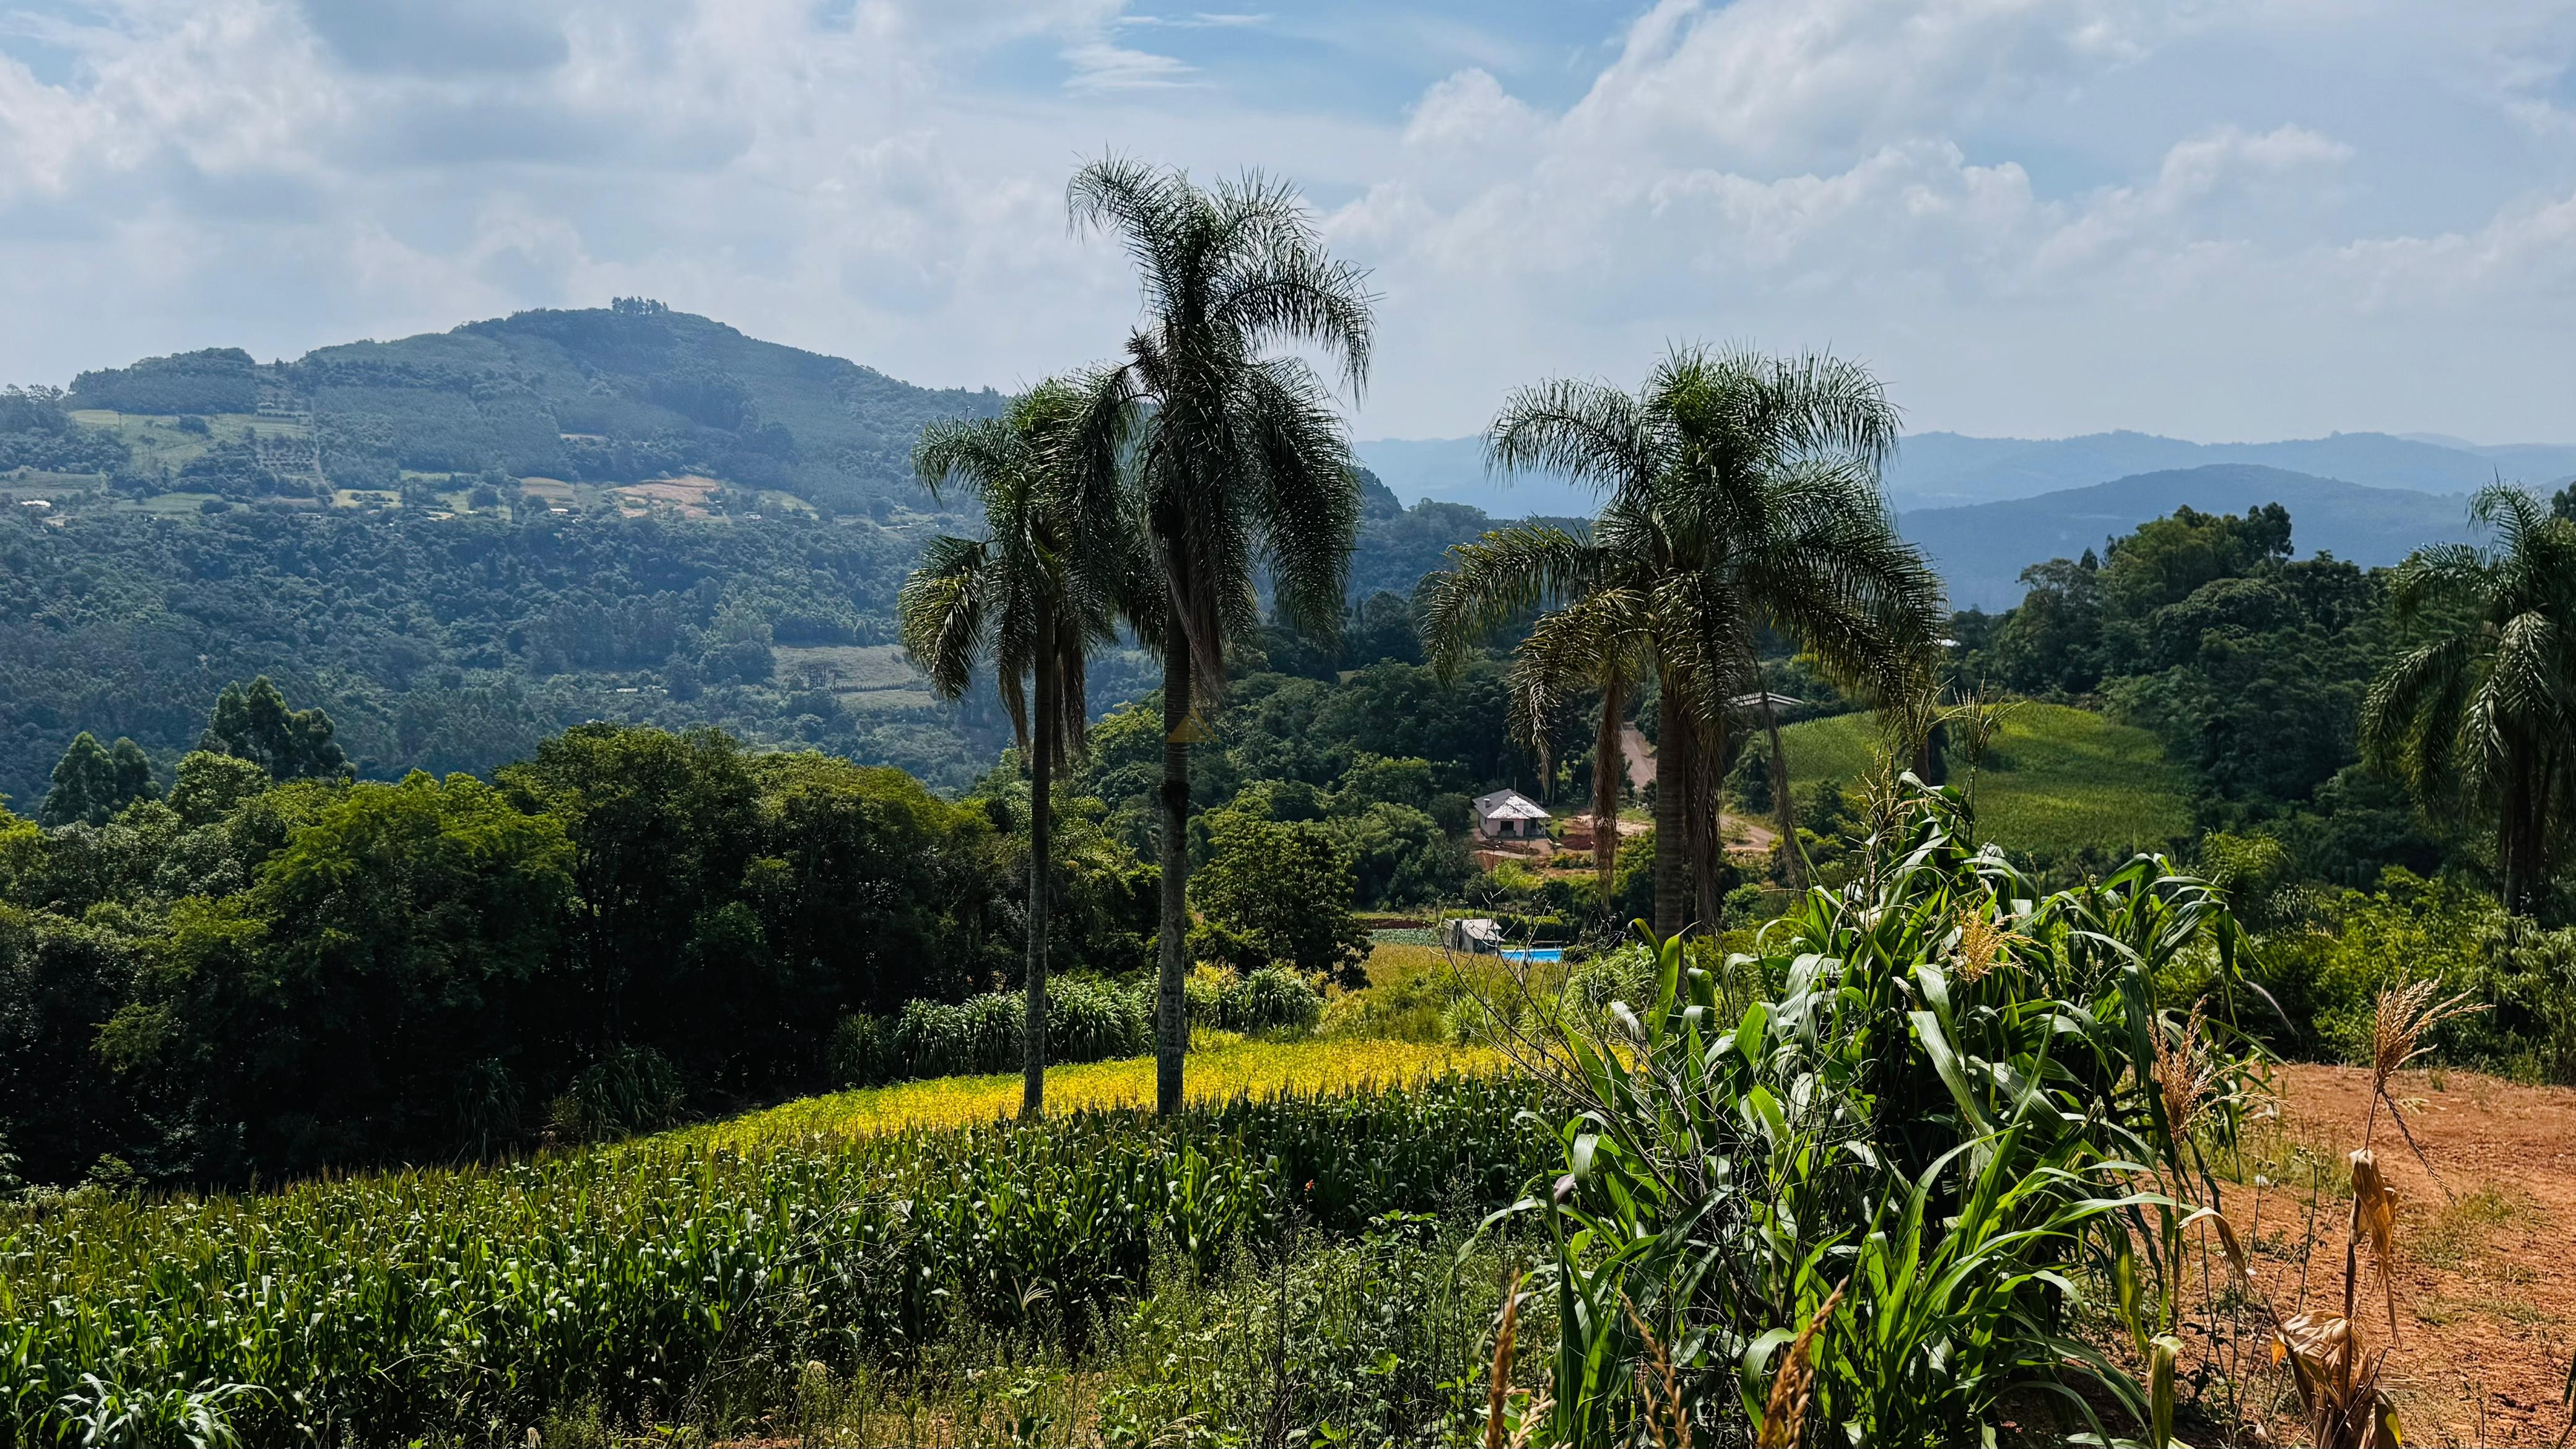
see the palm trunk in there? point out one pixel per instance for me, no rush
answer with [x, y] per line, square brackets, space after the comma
[1171, 1025]
[1609, 764]
[1708, 822]
[1792, 859]
[1673, 747]
[1041, 830]
[2518, 839]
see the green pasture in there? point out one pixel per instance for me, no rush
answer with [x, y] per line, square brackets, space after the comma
[2057, 781]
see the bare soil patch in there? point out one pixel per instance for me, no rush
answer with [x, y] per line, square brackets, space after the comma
[2485, 1276]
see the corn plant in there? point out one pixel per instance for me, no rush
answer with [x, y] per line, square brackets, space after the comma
[655, 1279]
[1935, 1091]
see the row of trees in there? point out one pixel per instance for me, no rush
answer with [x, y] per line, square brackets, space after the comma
[1156, 493]
[258, 965]
[271, 968]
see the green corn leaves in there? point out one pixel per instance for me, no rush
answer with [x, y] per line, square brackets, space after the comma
[1941, 1098]
[386, 1308]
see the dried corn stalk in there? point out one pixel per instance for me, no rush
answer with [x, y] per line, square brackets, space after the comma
[2374, 1217]
[2338, 1384]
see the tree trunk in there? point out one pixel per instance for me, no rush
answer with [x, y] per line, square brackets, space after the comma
[1171, 1023]
[1041, 843]
[1609, 767]
[1673, 746]
[1708, 822]
[1792, 860]
[2520, 821]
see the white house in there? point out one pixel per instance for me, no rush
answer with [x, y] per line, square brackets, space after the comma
[1509, 815]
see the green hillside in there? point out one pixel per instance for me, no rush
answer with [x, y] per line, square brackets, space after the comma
[584, 403]
[2058, 781]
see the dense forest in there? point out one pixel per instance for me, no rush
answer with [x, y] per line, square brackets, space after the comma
[457, 643]
[2250, 663]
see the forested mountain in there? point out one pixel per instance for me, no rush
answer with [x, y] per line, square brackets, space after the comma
[456, 643]
[462, 542]
[1982, 549]
[624, 395]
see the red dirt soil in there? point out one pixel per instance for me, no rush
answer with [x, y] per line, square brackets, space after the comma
[2486, 1271]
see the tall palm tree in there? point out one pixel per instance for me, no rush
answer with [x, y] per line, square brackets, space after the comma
[1595, 644]
[1032, 596]
[1238, 461]
[1741, 490]
[2484, 712]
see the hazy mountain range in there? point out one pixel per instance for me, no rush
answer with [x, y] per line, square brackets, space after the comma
[1986, 508]
[639, 392]
[1982, 548]
[1935, 470]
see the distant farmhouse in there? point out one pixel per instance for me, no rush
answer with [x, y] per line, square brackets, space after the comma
[1510, 815]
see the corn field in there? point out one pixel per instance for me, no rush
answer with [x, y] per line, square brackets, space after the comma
[658, 1282]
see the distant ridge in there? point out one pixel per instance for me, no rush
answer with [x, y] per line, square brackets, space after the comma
[1947, 470]
[1939, 470]
[1452, 470]
[1981, 549]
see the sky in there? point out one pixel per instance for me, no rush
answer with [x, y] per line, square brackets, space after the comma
[2217, 219]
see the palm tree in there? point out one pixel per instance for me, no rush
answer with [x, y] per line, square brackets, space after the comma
[1741, 490]
[1032, 595]
[2484, 712]
[1237, 460]
[1595, 644]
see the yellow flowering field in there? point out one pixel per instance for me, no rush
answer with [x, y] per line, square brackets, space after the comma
[1241, 1068]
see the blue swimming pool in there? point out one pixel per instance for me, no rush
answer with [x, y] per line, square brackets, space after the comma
[1547, 953]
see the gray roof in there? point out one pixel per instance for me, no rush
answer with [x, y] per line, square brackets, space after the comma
[1509, 805]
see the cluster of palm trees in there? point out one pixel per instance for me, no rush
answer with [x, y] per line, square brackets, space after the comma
[1151, 492]
[1740, 492]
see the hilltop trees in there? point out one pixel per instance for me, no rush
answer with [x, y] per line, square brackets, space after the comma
[1032, 596]
[2483, 712]
[1239, 464]
[291, 744]
[1741, 492]
[92, 783]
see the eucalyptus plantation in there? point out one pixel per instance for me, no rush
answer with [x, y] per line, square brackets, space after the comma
[1236, 462]
[1032, 595]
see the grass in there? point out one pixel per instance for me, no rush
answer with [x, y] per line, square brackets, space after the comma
[2058, 781]
[1233, 1069]
[2460, 1227]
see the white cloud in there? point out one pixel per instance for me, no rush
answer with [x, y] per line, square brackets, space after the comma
[1100, 66]
[1470, 110]
[2042, 215]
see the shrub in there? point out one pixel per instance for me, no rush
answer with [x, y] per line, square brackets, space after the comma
[1088, 1020]
[1270, 999]
[632, 1089]
[862, 1052]
[2327, 965]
